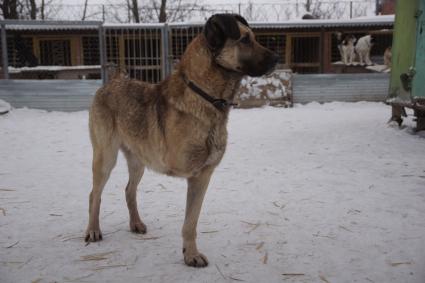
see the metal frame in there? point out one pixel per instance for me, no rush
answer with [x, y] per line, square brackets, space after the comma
[102, 44]
[4, 52]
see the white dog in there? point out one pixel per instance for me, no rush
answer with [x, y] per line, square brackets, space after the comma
[363, 47]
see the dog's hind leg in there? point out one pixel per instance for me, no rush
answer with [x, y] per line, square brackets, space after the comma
[351, 56]
[367, 58]
[135, 171]
[197, 186]
[361, 57]
[345, 58]
[104, 159]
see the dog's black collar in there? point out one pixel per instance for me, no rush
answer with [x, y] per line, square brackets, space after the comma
[219, 103]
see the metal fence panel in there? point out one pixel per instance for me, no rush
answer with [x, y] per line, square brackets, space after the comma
[136, 49]
[340, 87]
[52, 95]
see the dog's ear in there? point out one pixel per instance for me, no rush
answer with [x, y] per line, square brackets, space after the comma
[219, 27]
[241, 19]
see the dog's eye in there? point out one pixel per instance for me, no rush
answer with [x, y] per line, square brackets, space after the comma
[245, 39]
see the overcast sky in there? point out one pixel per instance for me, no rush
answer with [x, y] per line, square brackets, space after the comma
[286, 9]
[141, 2]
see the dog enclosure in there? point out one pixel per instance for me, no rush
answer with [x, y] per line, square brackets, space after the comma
[150, 51]
[91, 51]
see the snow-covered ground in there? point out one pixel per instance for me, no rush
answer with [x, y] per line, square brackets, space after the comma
[316, 193]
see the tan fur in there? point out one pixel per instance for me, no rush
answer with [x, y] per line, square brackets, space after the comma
[387, 57]
[168, 128]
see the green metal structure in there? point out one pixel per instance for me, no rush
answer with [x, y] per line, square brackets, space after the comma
[407, 85]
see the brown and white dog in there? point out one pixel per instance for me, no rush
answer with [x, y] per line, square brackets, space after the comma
[346, 48]
[176, 127]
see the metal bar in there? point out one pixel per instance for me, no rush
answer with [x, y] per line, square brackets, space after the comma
[4, 52]
[322, 50]
[151, 57]
[165, 51]
[103, 71]
[140, 56]
[145, 56]
[132, 53]
[127, 56]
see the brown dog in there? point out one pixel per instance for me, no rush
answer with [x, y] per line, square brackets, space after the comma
[176, 127]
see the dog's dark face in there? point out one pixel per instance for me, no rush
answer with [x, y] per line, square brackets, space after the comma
[234, 46]
[349, 40]
[344, 39]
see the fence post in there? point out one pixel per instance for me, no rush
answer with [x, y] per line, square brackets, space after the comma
[103, 13]
[102, 51]
[166, 66]
[4, 52]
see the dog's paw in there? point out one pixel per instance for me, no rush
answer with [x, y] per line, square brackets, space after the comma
[195, 260]
[138, 227]
[93, 236]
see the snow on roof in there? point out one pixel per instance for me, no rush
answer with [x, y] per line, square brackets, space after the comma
[134, 25]
[366, 21]
[53, 68]
[387, 20]
[51, 25]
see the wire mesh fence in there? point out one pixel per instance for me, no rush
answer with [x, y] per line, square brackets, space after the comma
[136, 49]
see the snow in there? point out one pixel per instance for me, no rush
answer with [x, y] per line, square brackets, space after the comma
[329, 192]
[374, 68]
[276, 85]
[53, 68]
[379, 68]
[54, 25]
[385, 19]
[4, 107]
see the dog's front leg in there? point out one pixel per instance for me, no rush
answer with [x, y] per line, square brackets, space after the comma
[197, 186]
